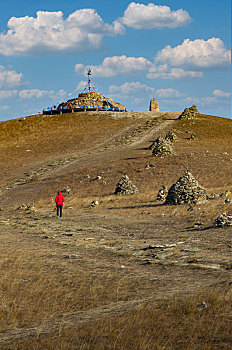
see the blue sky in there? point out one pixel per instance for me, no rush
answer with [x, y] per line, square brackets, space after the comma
[176, 51]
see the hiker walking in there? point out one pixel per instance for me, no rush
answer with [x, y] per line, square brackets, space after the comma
[59, 204]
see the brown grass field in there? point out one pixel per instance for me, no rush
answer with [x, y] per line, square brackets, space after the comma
[130, 273]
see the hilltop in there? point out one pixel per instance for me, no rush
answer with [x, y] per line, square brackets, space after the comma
[131, 268]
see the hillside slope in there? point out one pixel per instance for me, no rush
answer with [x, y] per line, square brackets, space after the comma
[44, 154]
[130, 272]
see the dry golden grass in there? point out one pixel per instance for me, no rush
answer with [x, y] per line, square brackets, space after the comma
[49, 301]
[52, 301]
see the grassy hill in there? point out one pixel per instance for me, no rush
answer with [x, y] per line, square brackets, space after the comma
[130, 273]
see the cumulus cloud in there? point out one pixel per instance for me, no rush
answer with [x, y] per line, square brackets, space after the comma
[169, 92]
[37, 93]
[220, 93]
[27, 94]
[198, 53]
[151, 16]
[116, 65]
[9, 78]
[4, 94]
[131, 88]
[49, 33]
[165, 72]
[4, 108]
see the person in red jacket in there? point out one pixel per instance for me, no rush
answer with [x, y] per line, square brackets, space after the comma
[59, 204]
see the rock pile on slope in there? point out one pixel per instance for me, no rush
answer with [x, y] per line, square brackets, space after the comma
[162, 147]
[194, 110]
[185, 190]
[156, 142]
[223, 220]
[125, 186]
[189, 113]
[171, 136]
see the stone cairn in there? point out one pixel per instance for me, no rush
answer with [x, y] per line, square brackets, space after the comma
[171, 136]
[185, 190]
[223, 220]
[162, 147]
[125, 186]
[161, 196]
[189, 113]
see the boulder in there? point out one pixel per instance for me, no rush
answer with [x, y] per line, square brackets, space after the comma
[185, 190]
[125, 186]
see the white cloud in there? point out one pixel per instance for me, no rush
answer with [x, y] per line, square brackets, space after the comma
[50, 33]
[150, 16]
[198, 54]
[169, 92]
[9, 78]
[165, 72]
[131, 88]
[116, 65]
[4, 94]
[81, 85]
[4, 108]
[37, 93]
[33, 93]
[220, 93]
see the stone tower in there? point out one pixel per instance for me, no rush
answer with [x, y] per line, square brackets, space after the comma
[154, 105]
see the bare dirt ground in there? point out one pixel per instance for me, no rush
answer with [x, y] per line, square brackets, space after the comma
[107, 261]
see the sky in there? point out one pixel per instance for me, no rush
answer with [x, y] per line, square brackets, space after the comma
[177, 51]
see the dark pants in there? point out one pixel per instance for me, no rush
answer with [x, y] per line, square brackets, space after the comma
[59, 210]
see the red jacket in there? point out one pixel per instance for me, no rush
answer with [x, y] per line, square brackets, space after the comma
[59, 199]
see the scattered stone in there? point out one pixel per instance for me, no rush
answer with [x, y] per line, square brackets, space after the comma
[66, 190]
[202, 306]
[213, 196]
[121, 267]
[189, 113]
[95, 203]
[25, 207]
[225, 194]
[162, 147]
[227, 200]
[148, 166]
[125, 186]
[197, 224]
[223, 220]
[192, 137]
[171, 136]
[161, 196]
[185, 190]
[71, 256]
